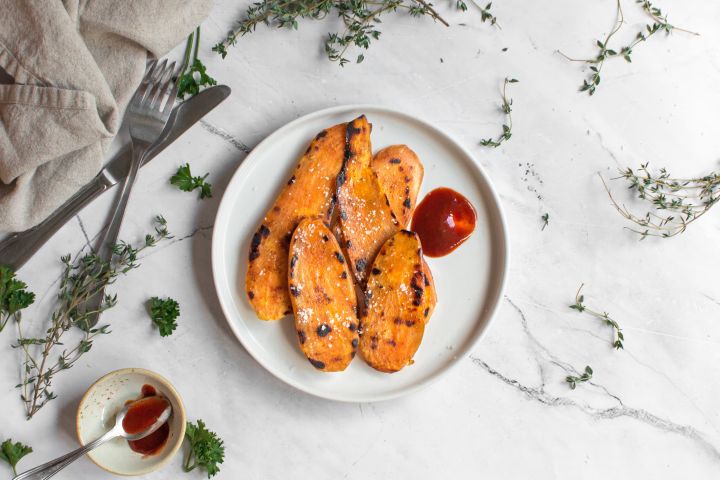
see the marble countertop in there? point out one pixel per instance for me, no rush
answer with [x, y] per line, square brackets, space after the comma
[651, 410]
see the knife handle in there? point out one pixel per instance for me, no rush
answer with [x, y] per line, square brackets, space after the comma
[17, 248]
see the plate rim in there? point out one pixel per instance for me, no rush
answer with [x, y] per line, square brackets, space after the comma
[220, 230]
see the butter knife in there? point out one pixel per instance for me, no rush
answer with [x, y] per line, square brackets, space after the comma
[18, 248]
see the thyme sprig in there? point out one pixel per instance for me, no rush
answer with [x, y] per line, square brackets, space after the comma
[506, 108]
[605, 52]
[573, 380]
[360, 18]
[677, 202]
[618, 336]
[82, 279]
[545, 217]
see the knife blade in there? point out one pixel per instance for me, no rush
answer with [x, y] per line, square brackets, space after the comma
[18, 248]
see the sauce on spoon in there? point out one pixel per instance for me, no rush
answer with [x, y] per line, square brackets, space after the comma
[140, 416]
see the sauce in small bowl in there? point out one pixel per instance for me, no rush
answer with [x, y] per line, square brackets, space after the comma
[141, 415]
[106, 397]
[443, 220]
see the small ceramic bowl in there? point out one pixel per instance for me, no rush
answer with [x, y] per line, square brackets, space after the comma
[96, 415]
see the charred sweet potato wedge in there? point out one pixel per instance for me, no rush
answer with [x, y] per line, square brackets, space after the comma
[309, 193]
[400, 174]
[393, 324]
[365, 217]
[430, 292]
[323, 297]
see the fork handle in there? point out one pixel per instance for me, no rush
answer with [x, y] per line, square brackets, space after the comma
[109, 239]
[17, 248]
[105, 248]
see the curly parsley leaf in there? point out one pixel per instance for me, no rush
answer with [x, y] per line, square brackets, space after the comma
[194, 75]
[184, 180]
[194, 79]
[13, 452]
[13, 296]
[164, 313]
[207, 450]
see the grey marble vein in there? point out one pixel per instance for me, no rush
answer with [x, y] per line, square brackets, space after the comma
[84, 232]
[540, 395]
[219, 132]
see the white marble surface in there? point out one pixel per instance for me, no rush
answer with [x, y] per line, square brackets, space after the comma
[651, 411]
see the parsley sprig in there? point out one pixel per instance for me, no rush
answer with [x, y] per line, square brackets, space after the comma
[184, 180]
[207, 450]
[164, 313]
[618, 336]
[193, 75]
[13, 296]
[573, 380]
[13, 452]
[506, 107]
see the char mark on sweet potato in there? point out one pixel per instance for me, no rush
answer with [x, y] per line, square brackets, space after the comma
[323, 297]
[400, 174]
[307, 194]
[365, 219]
[394, 324]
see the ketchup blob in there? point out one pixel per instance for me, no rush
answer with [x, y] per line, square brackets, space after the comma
[443, 220]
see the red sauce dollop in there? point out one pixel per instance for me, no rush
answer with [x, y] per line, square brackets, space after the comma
[143, 413]
[443, 220]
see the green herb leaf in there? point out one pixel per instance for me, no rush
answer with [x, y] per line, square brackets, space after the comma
[13, 296]
[194, 75]
[618, 336]
[605, 52]
[13, 452]
[82, 279]
[163, 313]
[673, 203]
[573, 380]
[206, 451]
[184, 180]
[546, 220]
[194, 79]
[360, 21]
[506, 108]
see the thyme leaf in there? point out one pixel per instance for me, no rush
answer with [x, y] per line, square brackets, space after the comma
[360, 18]
[573, 380]
[618, 336]
[506, 108]
[82, 279]
[676, 202]
[605, 52]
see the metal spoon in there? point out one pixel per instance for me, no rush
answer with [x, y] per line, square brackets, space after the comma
[50, 468]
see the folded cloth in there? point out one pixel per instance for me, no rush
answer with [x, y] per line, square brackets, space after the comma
[75, 65]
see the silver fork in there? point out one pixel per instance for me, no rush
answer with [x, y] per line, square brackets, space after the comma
[147, 114]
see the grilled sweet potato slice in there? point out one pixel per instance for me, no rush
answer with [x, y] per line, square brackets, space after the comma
[400, 174]
[310, 192]
[323, 297]
[365, 217]
[430, 293]
[394, 322]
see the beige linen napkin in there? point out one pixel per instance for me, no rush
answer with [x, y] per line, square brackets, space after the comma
[75, 65]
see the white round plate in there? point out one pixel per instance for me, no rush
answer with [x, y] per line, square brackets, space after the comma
[469, 281]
